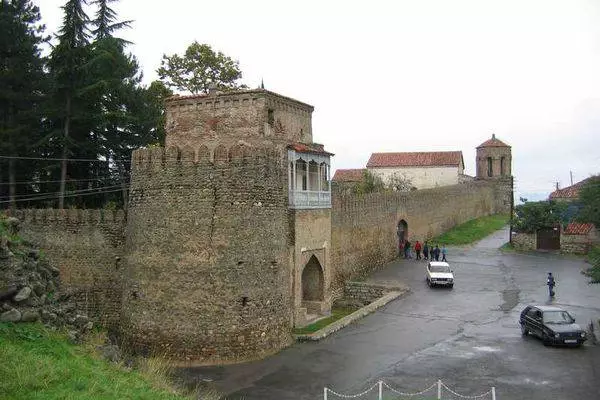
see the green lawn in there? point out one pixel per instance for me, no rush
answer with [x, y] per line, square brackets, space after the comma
[40, 364]
[471, 231]
[336, 313]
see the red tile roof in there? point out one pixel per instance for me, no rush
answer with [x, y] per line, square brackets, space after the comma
[493, 142]
[416, 159]
[309, 148]
[348, 175]
[576, 228]
[570, 192]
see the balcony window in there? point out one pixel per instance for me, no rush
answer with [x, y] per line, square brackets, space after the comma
[309, 185]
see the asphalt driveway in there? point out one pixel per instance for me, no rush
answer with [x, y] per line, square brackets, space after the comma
[469, 337]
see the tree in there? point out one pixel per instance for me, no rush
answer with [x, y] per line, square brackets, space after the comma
[106, 20]
[400, 183]
[198, 69]
[531, 216]
[589, 199]
[67, 63]
[370, 183]
[594, 259]
[22, 84]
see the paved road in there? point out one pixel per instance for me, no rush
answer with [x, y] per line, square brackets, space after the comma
[468, 337]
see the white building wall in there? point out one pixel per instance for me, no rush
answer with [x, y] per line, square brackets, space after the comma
[422, 177]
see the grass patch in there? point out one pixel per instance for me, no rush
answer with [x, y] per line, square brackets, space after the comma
[336, 313]
[472, 231]
[41, 364]
[507, 247]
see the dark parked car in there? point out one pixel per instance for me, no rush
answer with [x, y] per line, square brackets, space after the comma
[551, 324]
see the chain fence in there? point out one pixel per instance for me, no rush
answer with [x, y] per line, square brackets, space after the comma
[438, 390]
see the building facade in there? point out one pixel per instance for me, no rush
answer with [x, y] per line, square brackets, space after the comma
[422, 169]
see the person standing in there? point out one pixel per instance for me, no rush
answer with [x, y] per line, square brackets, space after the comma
[436, 253]
[407, 249]
[418, 249]
[444, 251]
[400, 248]
[425, 251]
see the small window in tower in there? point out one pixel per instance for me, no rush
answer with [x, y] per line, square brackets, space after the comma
[489, 166]
[502, 166]
[270, 117]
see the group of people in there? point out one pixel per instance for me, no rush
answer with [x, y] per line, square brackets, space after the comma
[429, 252]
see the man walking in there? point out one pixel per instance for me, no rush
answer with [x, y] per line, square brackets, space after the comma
[436, 253]
[418, 249]
[550, 282]
[444, 251]
[426, 251]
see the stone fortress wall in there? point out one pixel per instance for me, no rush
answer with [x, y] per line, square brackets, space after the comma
[84, 246]
[214, 264]
[363, 231]
[214, 124]
[207, 257]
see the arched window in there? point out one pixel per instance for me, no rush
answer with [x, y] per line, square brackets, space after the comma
[489, 166]
[502, 166]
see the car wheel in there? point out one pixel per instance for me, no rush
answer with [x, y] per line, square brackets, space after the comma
[545, 340]
[451, 285]
[428, 283]
[524, 330]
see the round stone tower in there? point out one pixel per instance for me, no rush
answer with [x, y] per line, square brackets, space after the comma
[494, 159]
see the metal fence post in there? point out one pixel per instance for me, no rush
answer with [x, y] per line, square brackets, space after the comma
[325, 393]
[493, 393]
[380, 384]
[439, 396]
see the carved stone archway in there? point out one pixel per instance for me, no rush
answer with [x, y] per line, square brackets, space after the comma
[402, 231]
[313, 281]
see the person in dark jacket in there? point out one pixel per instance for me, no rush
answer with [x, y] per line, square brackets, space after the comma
[551, 283]
[407, 249]
[436, 253]
[425, 251]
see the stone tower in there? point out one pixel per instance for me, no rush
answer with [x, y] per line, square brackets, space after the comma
[494, 159]
[229, 229]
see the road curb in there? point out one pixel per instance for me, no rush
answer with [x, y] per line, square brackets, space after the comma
[348, 319]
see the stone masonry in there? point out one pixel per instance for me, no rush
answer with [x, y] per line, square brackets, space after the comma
[214, 263]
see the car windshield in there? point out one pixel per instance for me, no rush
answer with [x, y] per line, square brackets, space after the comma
[439, 268]
[557, 317]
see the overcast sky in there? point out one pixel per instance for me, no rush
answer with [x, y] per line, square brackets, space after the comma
[407, 75]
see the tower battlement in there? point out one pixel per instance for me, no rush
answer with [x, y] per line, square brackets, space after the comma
[256, 117]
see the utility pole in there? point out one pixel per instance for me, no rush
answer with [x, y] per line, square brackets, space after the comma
[571, 173]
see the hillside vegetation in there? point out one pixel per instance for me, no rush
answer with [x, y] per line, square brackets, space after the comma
[40, 364]
[472, 231]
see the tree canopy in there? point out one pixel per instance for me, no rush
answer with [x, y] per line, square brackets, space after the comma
[531, 216]
[199, 69]
[69, 122]
[589, 200]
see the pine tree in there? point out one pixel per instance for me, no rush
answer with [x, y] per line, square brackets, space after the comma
[67, 64]
[22, 86]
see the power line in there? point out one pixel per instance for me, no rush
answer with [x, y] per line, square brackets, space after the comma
[57, 181]
[67, 191]
[63, 159]
[56, 197]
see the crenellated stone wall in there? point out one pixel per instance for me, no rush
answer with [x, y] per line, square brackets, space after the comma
[364, 226]
[207, 262]
[248, 118]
